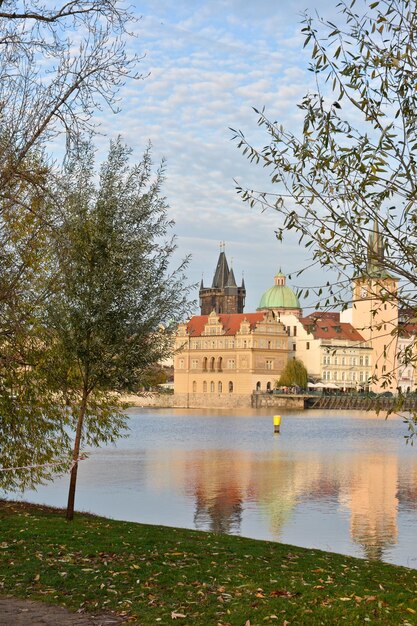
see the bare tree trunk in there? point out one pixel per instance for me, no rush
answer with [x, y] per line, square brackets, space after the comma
[75, 455]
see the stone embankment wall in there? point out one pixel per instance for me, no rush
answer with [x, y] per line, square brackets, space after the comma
[159, 400]
[211, 400]
[284, 401]
[214, 400]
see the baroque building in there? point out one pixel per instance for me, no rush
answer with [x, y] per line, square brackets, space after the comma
[224, 296]
[220, 358]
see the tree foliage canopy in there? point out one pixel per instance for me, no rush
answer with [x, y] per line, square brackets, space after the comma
[294, 374]
[58, 63]
[352, 164]
[109, 315]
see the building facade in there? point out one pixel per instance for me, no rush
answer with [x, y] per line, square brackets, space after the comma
[221, 359]
[332, 351]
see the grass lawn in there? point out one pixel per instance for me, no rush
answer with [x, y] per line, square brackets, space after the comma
[160, 575]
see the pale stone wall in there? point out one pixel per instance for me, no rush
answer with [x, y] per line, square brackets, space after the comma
[161, 400]
[211, 400]
[277, 401]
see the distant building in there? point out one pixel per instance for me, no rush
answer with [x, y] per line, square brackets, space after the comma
[220, 359]
[332, 351]
[224, 296]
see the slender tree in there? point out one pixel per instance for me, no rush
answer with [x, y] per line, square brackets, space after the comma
[294, 374]
[114, 311]
[353, 162]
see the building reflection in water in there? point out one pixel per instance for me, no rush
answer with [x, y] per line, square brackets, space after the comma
[371, 496]
[224, 483]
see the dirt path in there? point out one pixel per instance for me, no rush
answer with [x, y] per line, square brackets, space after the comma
[16, 612]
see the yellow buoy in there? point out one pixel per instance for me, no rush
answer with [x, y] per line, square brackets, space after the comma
[277, 423]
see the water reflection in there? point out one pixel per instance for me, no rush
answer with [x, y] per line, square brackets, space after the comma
[336, 483]
[222, 482]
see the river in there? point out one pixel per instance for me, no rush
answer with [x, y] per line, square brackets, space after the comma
[340, 482]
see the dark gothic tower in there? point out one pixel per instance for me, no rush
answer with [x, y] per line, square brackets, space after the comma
[224, 296]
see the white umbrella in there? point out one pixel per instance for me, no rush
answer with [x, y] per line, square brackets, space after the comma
[320, 386]
[331, 386]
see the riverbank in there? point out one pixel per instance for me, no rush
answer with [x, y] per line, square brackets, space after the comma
[155, 574]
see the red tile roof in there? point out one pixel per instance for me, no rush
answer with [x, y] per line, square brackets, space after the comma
[328, 327]
[230, 322]
[407, 330]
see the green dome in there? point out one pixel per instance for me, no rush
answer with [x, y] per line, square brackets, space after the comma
[279, 297]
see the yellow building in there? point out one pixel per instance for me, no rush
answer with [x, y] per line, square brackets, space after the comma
[221, 359]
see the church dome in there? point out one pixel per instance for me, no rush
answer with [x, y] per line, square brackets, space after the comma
[279, 296]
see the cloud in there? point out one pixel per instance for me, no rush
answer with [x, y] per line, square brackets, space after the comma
[209, 64]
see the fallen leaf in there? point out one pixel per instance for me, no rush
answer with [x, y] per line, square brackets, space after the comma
[175, 615]
[276, 593]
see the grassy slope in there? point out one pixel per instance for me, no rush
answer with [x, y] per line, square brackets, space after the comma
[154, 574]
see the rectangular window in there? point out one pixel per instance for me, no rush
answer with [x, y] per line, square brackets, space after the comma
[308, 345]
[231, 364]
[194, 364]
[269, 364]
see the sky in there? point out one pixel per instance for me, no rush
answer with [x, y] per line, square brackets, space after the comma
[207, 63]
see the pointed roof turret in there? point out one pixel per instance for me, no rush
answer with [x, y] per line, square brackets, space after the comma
[376, 253]
[222, 270]
[231, 282]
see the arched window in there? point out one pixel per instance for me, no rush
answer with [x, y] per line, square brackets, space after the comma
[268, 386]
[212, 386]
[258, 386]
[204, 386]
[205, 364]
[212, 364]
[219, 387]
[230, 387]
[220, 364]
[194, 386]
